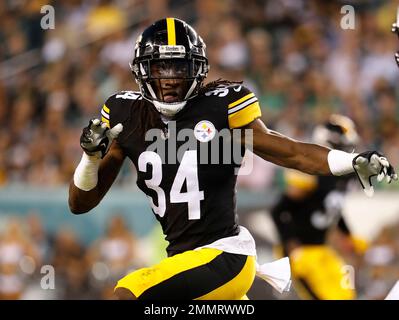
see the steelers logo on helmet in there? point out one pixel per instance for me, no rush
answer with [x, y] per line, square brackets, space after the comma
[204, 131]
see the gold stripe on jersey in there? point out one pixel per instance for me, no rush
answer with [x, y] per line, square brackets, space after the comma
[245, 98]
[106, 109]
[105, 115]
[245, 115]
[170, 23]
[242, 105]
[106, 121]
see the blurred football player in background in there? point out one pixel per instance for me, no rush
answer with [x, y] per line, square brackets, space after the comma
[209, 255]
[309, 208]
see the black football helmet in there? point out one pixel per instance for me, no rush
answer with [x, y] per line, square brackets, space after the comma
[338, 132]
[169, 49]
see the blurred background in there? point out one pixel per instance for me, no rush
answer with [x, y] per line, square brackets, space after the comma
[292, 53]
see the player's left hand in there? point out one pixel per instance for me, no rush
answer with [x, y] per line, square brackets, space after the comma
[369, 164]
[97, 138]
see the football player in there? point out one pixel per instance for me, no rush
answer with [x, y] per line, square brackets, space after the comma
[308, 209]
[209, 255]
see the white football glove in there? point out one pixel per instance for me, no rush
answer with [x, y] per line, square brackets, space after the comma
[96, 138]
[369, 164]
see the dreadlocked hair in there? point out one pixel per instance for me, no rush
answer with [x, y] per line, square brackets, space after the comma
[215, 84]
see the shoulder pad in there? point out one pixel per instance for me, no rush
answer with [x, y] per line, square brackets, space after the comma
[243, 106]
[127, 95]
[229, 91]
[241, 103]
[114, 102]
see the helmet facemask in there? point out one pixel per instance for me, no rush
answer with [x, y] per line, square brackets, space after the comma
[171, 79]
[169, 82]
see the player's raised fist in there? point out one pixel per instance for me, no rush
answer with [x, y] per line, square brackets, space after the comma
[97, 138]
[369, 164]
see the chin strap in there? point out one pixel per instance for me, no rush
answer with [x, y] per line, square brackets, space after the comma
[169, 109]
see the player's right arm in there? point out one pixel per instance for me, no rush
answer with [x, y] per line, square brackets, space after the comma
[100, 164]
[81, 201]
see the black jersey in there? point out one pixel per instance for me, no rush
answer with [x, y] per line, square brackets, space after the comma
[192, 198]
[306, 221]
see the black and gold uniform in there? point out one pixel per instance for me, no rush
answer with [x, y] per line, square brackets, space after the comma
[303, 223]
[307, 211]
[193, 201]
[307, 220]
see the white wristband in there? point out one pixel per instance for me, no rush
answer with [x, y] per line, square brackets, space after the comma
[340, 162]
[86, 173]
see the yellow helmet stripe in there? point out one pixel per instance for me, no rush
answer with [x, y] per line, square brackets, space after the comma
[170, 23]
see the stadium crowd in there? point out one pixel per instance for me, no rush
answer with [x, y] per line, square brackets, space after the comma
[36, 264]
[293, 54]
